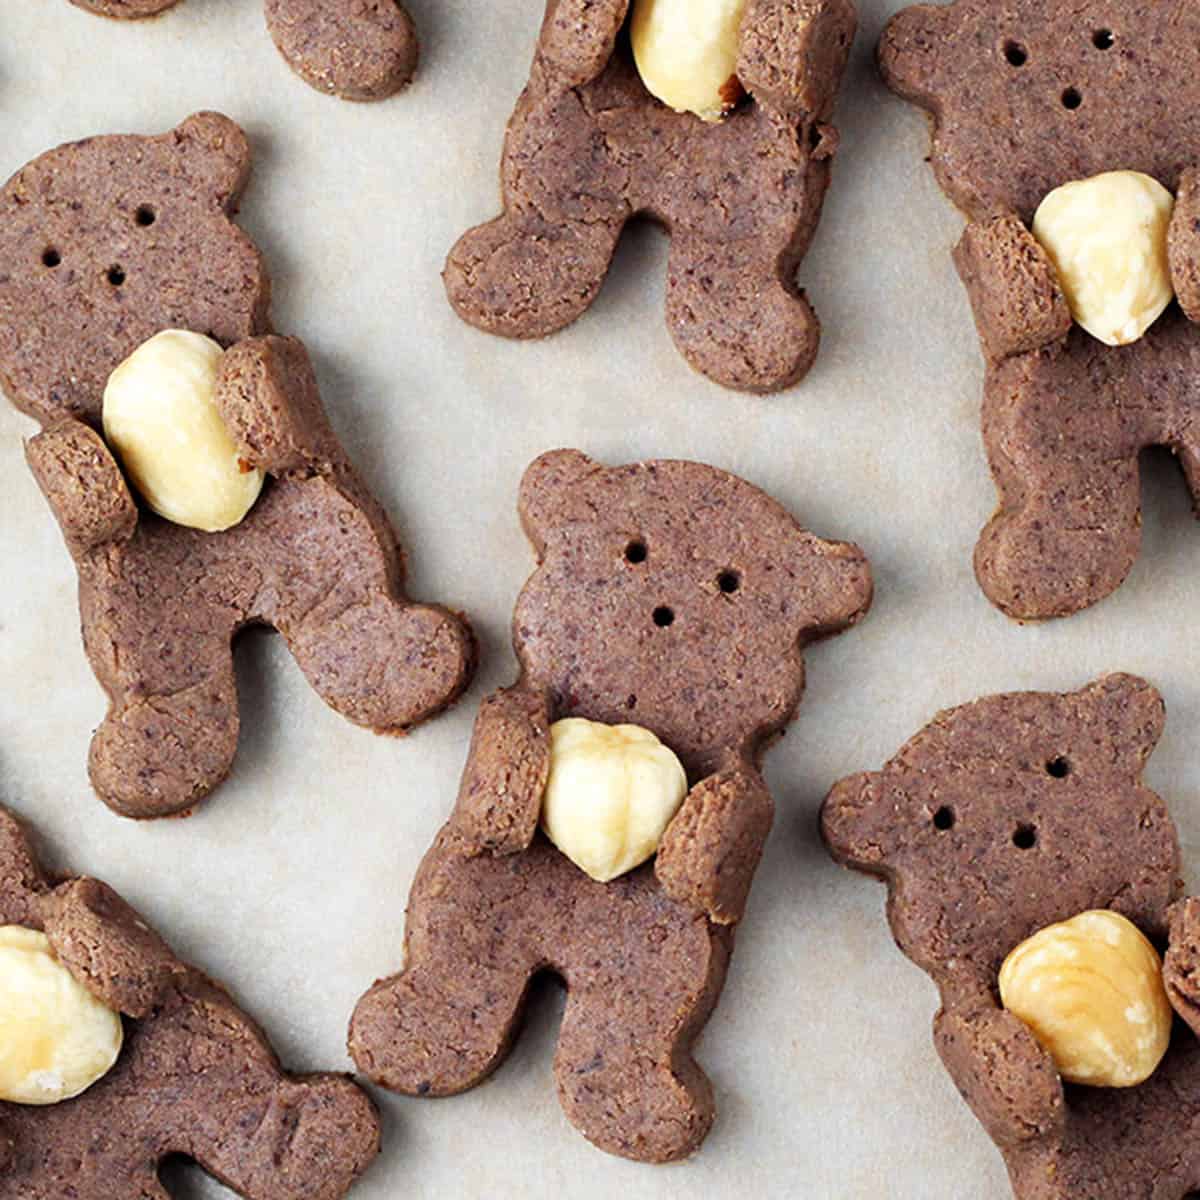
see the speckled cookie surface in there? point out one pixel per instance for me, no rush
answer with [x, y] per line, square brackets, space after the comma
[355, 49]
[195, 1075]
[676, 597]
[588, 148]
[106, 242]
[1056, 93]
[1001, 817]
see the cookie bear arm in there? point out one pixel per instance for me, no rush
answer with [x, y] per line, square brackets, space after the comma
[268, 397]
[578, 37]
[1183, 243]
[1015, 295]
[83, 485]
[708, 855]
[1007, 1079]
[1181, 965]
[107, 946]
[793, 53]
[500, 799]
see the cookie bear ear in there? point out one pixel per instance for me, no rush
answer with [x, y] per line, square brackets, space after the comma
[912, 50]
[21, 879]
[856, 825]
[834, 585]
[221, 147]
[1132, 712]
[545, 486]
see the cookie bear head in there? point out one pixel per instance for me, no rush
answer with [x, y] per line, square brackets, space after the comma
[1007, 814]
[677, 597]
[105, 242]
[1032, 94]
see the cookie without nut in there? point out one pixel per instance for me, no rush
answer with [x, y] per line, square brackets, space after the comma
[355, 49]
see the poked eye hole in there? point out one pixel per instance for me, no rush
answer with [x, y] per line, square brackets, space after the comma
[1015, 53]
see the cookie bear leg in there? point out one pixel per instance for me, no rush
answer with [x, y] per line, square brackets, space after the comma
[522, 277]
[158, 751]
[1069, 524]
[448, 1019]
[735, 314]
[626, 1076]
[371, 655]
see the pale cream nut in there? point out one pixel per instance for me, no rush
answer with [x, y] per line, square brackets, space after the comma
[161, 419]
[1091, 991]
[1107, 238]
[611, 794]
[56, 1038]
[686, 52]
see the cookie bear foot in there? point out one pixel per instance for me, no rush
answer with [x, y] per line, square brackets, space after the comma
[384, 663]
[364, 51]
[1033, 570]
[412, 1034]
[733, 317]
[159, 754]
[626, 1083]
[521, 277]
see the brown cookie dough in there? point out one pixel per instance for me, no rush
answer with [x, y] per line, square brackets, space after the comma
[999, 818]
[1025, 97]
[106, 242]
[669, 595]
[588, 148]
[355, 49]
[195, 1075]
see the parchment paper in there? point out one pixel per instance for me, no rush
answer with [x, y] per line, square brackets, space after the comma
[290, 883]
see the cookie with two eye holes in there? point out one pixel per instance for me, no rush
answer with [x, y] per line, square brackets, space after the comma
[1001, 818]
[355, 49]
[677, 598]
[1027, 98]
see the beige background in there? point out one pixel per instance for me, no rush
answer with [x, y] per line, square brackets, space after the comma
[290, 883]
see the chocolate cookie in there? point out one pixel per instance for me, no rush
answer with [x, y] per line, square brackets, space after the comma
[1026, 97]
[104, 243]
[1004, 816]
[356, 49]
[669, 595]
[588, 148]
[195, 1075]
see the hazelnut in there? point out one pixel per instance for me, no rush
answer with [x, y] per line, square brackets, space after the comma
[1091, 991]
[610, 796]
[686, 52]
[1107, 238]
[161, 418]
[56, 1038]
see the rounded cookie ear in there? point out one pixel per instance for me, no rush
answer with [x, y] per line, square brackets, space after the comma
[833, 586]
[544, 488]
[223, 149]
[856, 825]
[1132, 710]
[21, 879]
[912, 50]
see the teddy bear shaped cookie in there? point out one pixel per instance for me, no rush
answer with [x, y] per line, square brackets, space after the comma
[660, 645]
[1052, 133]
[355, 49]
[1031, 874]
[115, 1055]
[589, 147]
[122, 250]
